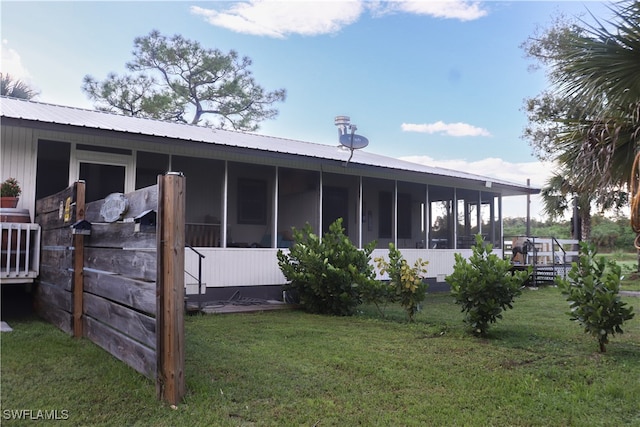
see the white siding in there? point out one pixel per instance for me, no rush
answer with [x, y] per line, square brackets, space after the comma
[257, 266]
[235, 267]
[441, 261]
[19, 161]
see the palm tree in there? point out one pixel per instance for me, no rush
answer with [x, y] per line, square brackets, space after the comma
[589, 120]
[15, 88]
[600, 69]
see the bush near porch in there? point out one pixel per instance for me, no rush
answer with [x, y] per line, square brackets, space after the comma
[293, 368]
[329, 275]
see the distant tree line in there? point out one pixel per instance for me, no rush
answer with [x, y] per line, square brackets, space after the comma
[608, 234]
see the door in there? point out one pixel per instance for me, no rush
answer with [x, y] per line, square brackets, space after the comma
[102, 180]
[104, 170]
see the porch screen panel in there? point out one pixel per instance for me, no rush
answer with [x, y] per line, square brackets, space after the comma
[52, 174]
[298, 200]
[385, 214]
[149, 166]
[441, 221]
[203, 210]
[487, 224]
[335, 203]
[467, 221]
[404, 216]
[252, 201]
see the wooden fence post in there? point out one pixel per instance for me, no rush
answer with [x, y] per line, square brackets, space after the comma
[78, 263]
[170, 383]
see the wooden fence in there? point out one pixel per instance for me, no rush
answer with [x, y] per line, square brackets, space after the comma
[113, 271]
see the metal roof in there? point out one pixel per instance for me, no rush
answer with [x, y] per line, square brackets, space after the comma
[91, 119]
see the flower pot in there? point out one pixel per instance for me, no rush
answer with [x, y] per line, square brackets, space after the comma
[8, 202]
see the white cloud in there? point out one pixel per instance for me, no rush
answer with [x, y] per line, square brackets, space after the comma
[518, 173]
[279, 19]
[447, 9]
[450, 129]
[11, 63]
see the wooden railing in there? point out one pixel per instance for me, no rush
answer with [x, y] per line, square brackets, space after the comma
[202, 235]
[20, 260]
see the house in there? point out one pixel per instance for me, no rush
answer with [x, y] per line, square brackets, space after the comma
[245, 191]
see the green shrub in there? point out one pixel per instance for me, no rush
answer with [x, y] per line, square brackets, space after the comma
[329, 275]
[405, 282]
[380, 293]
[484, 286]
[592, 292]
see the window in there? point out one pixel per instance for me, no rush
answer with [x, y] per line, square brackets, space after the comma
[252, 201]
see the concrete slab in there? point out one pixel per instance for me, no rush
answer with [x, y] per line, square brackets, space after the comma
[239, 307]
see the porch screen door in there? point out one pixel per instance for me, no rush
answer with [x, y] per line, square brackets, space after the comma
[102, 180]
[103, 172]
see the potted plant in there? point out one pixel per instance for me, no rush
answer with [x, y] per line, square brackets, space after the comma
[9, 192]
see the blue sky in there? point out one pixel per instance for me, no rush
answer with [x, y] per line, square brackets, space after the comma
[441, 83]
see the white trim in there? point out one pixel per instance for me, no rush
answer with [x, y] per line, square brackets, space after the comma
[478, 212]
[360, 213]
[274, 224]
[96, 157]
[395, 213]
[225, 204]
[320, 205]
[454, 215]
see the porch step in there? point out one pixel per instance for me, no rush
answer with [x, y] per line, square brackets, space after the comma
[546, 274]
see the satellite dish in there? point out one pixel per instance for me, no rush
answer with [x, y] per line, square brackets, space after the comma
[353, 141]
[348, 137]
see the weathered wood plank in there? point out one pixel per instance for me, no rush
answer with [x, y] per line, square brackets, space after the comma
[60, 237]
[139, 201]
[52, 203]
[133, 293]
[133, 264]
[78, 262]
[136, 325]
[170, 385]
[54, 296]
[60, 257]
[131, 352]
[52, 220]
[119, 235]
[59, 318]
[56, 276]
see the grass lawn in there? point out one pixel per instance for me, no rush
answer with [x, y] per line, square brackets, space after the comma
[628, 262]
[291, 368]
